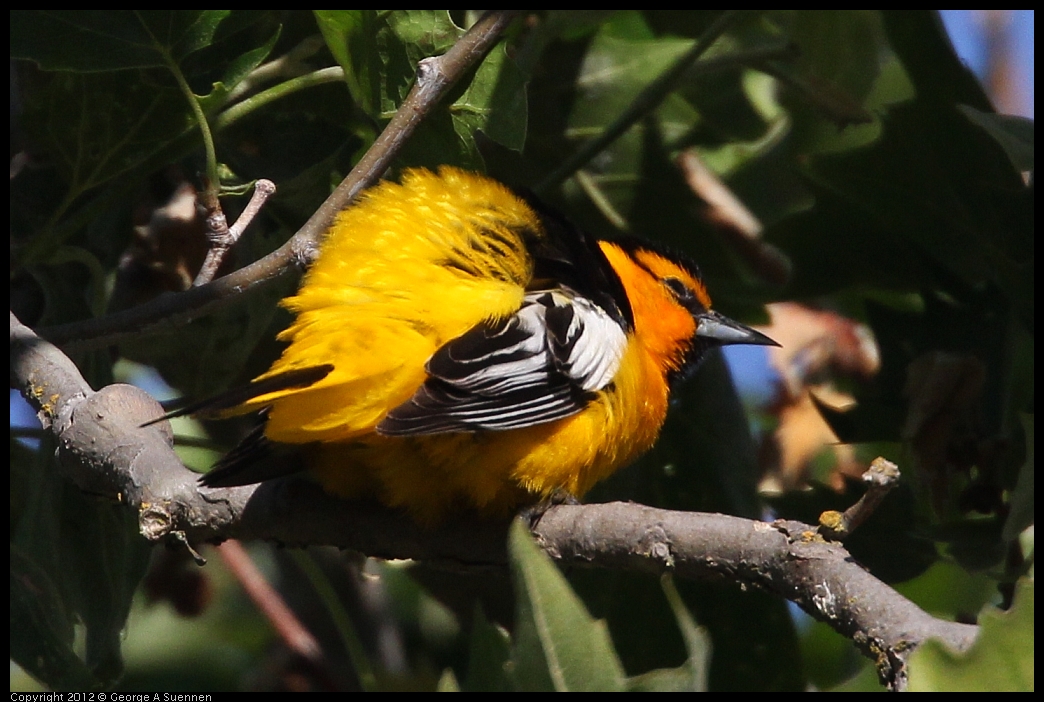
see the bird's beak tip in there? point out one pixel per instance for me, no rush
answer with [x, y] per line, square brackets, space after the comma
[727, 331]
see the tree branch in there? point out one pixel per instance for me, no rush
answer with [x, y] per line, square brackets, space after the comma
[104, 450]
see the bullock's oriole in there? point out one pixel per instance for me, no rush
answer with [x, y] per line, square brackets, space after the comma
[459, 346]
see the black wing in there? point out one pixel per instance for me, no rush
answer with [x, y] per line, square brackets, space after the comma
[543, 363]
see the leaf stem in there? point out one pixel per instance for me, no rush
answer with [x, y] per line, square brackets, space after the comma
[241, 109]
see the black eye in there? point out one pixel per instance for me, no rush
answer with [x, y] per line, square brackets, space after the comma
[680, 289]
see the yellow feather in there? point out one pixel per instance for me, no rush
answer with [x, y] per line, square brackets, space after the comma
[402, 272]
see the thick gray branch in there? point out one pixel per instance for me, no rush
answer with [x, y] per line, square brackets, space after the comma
[103, 448]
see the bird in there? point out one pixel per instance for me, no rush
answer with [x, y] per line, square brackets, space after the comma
[459, 346]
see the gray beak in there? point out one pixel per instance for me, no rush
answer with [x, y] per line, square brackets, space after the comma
[718, 328]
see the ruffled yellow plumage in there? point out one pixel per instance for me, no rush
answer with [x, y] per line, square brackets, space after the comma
[559, 381]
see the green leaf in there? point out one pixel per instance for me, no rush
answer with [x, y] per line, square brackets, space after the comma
[494, 101]
[558, 645]
[1022, 498]
[1000, 660]
[697, 641]
[75, 560]
[692, 675]
[351, 36]
[1014, 134]
[41, 628]
[949, 591]
[938, 74]
[380, 54]
[615, 70]
[448, 682]
[840, 47]
[407, 37]
[109, 40]
[238, 69]
[931, 196]
[97, 127]
[104, 559]
[837, 66]
[489, 657]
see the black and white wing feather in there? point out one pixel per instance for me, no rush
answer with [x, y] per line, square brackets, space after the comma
[543, 363]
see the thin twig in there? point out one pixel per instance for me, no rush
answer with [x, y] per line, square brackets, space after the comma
[599, 200]
[223, 238]
[881, 477]
[290, 629]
